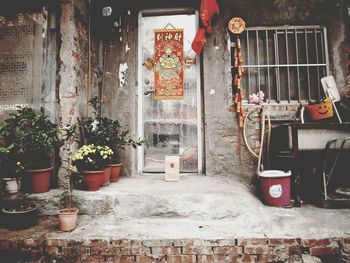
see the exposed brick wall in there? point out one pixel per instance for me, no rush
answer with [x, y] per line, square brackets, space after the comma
[277, 112]
[174, 251]
[225, 151]
[73, 71]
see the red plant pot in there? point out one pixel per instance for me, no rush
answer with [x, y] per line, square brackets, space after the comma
[93, 179]
[40, 180]
[107, 175]
[115, 171]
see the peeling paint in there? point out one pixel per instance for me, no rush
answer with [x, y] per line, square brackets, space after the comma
[122, 74]
[127, 48]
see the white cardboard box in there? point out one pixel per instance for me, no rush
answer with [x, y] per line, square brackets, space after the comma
[172, 168]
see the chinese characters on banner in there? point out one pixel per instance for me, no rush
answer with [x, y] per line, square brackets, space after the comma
[168, 59]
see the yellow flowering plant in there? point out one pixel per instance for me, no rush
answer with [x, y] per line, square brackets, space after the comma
[92, 157]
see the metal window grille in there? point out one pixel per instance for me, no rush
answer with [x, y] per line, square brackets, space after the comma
[286, 63]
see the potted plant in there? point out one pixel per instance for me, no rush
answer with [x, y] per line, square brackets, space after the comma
[19, 214]
[68, 214]
[90, 161]
[10, 169]
[108, 154]
[119, 140]
[35, 139]
[106, 132]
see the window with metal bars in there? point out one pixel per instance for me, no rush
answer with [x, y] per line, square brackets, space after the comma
[286, 63]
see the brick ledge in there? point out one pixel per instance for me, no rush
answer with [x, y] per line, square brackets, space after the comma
[45, 249]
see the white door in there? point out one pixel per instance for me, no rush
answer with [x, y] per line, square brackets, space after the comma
[170, 126]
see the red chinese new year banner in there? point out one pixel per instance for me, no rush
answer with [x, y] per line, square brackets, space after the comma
[168, 60]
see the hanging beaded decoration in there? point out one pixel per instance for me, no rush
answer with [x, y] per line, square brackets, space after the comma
[236, 27]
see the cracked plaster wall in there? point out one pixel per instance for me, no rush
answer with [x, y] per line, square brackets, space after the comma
[225, 152]
[119, 95]
[224, 149]
[74, 90]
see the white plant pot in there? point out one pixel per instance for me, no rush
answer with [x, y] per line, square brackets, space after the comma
[12, 185]
[68, 219]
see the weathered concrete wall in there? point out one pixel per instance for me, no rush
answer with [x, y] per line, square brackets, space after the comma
[225, 152]
[73, 72]
[56, 61]
[224, 149]
[120, 99]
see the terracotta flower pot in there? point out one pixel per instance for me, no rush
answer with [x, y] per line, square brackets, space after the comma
[68, 218]
[40, 180]
[93, 179]
[107, 175]
[102, 178]
[115, 171]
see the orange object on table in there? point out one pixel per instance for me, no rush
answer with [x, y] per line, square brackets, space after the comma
[321, 110]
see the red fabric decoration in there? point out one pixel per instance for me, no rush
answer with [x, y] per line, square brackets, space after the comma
[199, 41]
[208, 8]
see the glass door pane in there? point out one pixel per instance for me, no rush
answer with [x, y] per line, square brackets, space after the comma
[170, 126]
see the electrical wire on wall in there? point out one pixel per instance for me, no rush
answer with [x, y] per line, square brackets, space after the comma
[264, 116]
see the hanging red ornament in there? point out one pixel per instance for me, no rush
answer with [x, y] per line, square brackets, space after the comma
[199, 41]
[208, 8]
[236, 25]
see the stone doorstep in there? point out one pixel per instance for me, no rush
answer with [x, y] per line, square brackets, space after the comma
[149, 195]
[108, 227]
[197, 206]
[134, 205]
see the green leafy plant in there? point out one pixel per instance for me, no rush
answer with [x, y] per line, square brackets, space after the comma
[91, 157]
[68, 138]
[33, 136]
[105, 131]
[66, 200]
[10, 167]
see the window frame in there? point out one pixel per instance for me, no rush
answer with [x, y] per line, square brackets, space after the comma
[306, 30]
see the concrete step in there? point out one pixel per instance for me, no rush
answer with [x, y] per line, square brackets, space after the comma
[140, 196]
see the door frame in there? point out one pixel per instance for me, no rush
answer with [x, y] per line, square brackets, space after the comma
[140, 124]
